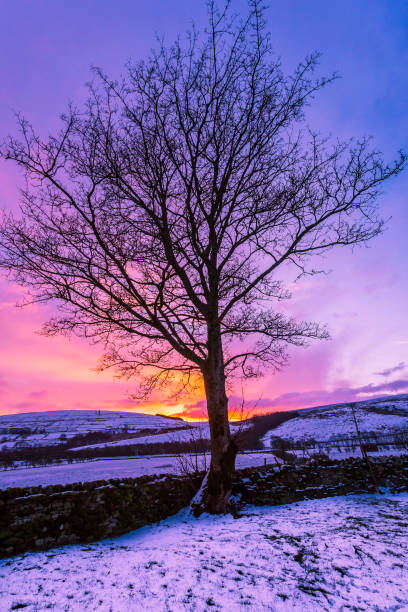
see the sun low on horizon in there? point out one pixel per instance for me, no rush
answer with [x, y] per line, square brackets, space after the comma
[361, 297]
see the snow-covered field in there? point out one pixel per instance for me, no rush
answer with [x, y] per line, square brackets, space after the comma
[195, 432]
[104, 469]
[382, 416]
[334, 554]
[55, 426]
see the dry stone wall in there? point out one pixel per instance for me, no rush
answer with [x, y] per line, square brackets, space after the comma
[323, 478]
[37, 518]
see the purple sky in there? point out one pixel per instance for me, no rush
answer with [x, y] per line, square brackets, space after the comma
[46, 49]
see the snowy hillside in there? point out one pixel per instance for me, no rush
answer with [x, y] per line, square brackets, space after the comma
[55, 427]
[195, 431]
[383, 415]
[192, 432]
[328, 423]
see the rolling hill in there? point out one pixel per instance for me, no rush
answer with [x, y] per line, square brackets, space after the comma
[59, 426]
[93, 429]
[379, 416]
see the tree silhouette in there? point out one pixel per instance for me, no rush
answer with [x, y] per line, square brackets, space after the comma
[158, 217]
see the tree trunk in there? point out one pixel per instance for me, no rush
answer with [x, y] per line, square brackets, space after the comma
[216, 488]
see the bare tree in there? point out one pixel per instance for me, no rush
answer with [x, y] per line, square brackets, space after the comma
[160, 214]
[193, 462]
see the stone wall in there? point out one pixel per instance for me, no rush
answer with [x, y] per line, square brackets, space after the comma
[37, 518]
[324, 478]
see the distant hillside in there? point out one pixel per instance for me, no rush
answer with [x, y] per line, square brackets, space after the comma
[35, 429]
[385, 415]
[103, 430]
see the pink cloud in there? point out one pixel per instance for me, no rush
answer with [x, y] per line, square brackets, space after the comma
[319, 397]
[297, 399]
[28, 406]
[38, 394]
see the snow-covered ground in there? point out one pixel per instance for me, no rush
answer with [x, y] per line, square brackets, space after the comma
[104, 469]
[382, 416]
[335, 554]
[53, 427]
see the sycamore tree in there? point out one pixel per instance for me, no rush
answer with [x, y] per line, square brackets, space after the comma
[160, 215]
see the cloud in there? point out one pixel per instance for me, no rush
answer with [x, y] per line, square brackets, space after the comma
[194, 411]
[297, 399]
[136, 405]
[37, 394]
[341, 394]
[401, 366]
[28, 406]
[236, 405]
[395, 385]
